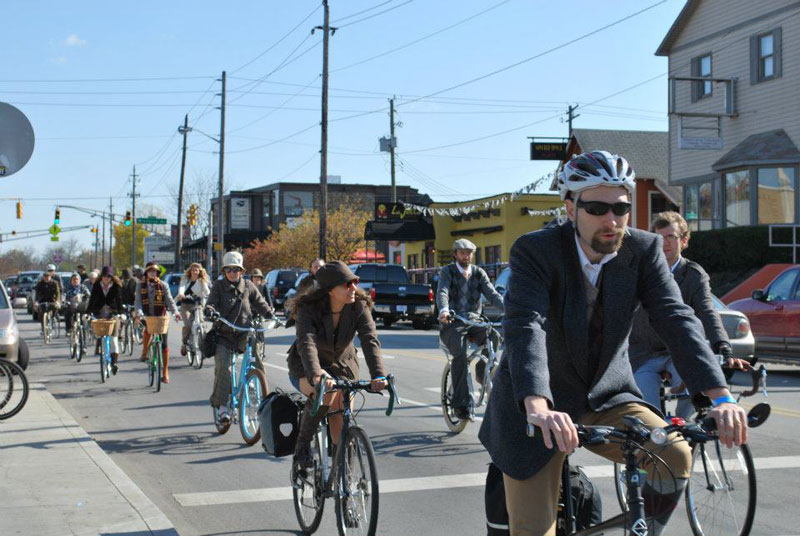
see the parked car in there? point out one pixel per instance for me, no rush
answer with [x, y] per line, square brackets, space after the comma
[173, 280]
[279, 281]
[12, 347]
[774, 315]
[500, 284]
[25, 283]
[737, 326]
[293, 291]
[393, 295]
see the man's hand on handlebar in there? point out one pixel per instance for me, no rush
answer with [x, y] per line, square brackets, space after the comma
[378, 384]
[558, 424]
[444, 318]
[737, 364]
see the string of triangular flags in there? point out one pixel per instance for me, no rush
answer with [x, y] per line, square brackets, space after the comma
[486, 205]
[551, 212]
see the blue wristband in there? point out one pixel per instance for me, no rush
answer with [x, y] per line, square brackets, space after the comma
[727, 399]
[379, 378]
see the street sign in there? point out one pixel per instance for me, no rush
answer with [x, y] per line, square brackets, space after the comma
[57, 258]
[152, 220]
[161, 257]
[53, 239]
[217, 246]
[54, 229]
[548, 151]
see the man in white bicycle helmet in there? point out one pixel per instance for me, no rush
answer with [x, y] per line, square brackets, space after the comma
[568, 312]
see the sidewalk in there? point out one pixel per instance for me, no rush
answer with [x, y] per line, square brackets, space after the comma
[55, 480]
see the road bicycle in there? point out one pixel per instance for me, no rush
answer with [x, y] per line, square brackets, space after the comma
[127, 330]
[104, 328]
[351, 480]
[157, 327]
[485, 353]
[639, 461]
[721, 493]
[196, 333]
[248, 385]
[13, 389]
[50, 324]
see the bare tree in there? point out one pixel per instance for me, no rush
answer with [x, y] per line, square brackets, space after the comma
[198, 190]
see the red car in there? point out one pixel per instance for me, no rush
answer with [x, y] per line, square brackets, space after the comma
[774, 315]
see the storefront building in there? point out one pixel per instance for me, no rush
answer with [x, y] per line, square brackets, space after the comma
[734, 111]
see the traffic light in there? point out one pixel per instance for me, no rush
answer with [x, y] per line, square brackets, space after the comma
[13, 233]
[191, 215]
[19, 210]
[128, 218]
[57, 218]
[93, 230]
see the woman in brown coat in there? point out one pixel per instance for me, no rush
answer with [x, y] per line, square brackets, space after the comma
[328, 320]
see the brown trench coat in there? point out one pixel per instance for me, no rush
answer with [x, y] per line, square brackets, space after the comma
[314, 350]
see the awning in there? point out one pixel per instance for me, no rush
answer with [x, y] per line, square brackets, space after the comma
[767, 148]
[402, 231]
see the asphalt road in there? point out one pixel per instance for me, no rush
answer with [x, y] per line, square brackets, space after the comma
[431, 480]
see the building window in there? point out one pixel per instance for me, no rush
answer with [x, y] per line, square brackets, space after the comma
[659, 203]
[477, 259]
[413, 261]
[492, 254]
[776, 195]
[295, 203]
[699, 206]
[737, 198]
[766, 56]
[701, 67]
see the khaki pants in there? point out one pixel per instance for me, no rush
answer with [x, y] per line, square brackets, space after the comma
[222, 374]
[532, 503]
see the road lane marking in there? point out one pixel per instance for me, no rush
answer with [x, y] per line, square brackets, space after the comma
[425, 483]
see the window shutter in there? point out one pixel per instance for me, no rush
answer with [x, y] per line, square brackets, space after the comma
[696, 86]
[754, 60]
[777, 49]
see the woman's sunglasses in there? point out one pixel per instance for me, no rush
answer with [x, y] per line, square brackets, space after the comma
[599, 208]
[353, 283]
[234, 270]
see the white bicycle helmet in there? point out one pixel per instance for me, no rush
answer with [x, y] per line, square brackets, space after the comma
[596, 168]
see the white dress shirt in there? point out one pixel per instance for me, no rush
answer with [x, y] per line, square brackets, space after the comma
[590, 269]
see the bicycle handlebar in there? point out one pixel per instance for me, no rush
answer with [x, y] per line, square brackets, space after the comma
[451, 313]
[215, 316]
[759, 379]
[358, 385]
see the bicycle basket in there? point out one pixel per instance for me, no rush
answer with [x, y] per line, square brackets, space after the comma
[157, 324]
[103, 327]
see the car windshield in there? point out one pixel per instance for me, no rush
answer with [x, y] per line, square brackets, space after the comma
[287, 278]
[300, 279]
[27, 278]
[718, 305]
[3, 301]
[502, 279]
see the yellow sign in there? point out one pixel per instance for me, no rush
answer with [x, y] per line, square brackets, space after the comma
[217, 246]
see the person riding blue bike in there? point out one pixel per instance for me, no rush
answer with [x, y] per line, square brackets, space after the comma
[328, 319]
[569, 304]
[235, 299]
[461, 285]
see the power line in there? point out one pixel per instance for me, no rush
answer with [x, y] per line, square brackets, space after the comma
[362, 11]
[423, 38]
[539, 55]
[374, 15]
[261, 118]
[290, 136]
[301, 166]
[278, 42]
[78, 80]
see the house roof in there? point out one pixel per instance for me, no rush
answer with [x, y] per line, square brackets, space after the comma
[677, 27]
[773, 147]
[646, 150]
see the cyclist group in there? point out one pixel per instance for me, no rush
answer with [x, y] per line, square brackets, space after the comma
[595, 312]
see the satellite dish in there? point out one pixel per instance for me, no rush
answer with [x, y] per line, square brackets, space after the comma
[16, 140]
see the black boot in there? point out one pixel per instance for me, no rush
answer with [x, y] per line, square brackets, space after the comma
[303, 459]
[114, 367]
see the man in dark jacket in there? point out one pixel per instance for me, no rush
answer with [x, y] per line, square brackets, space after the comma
[235, 299]
[47, 291]
[461, 285]
[311, 278]
[649, 355]
[568, 314]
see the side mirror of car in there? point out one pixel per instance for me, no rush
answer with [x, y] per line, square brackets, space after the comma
[758, 295]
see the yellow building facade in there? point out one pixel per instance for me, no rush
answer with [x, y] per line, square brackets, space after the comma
[493, 230]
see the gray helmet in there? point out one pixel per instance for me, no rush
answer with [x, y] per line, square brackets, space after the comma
[463, 243]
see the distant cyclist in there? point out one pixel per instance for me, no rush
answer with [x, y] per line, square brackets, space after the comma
[47, 291]
[154, 299]
[461, 286]
[105, 302]
[193, 290]
[78, 292]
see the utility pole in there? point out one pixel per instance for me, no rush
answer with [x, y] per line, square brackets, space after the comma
[571, 115]
[210, 250]
[179, 238]
[323, 175]
[111, 233]
[103, 249]
[221, 204]
[392, 144]
[133, 219]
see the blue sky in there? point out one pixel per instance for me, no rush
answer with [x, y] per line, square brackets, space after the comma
[90, 133]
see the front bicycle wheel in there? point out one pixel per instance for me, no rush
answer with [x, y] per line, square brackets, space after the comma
[158, 364]
[81, 342]
[13, 389]
[454, 423]
[123, 339]
[253, 392]
[151, 367]
[357, 485]
[56, 324]
[308, 491]
[721, 493]
[195, 342]
[74, 349]
[129, 335]
[46, 327]
[104, 360]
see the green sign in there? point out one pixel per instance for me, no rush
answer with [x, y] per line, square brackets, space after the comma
[54, 239]
[54, 229]
[156, 221]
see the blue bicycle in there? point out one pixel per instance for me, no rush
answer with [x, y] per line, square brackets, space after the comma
[104, 329]
[248, 384]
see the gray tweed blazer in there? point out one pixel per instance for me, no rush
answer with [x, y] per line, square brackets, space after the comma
[546, 336]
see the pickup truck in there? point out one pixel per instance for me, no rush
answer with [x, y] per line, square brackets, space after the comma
[393, 295]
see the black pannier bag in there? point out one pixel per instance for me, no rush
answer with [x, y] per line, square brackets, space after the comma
[279, 418]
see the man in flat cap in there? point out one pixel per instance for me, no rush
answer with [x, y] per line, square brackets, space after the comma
[461, 285]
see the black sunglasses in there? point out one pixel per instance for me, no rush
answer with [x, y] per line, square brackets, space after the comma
[599, 208]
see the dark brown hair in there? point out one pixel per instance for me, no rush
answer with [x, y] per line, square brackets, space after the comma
[318, 297]
[665, 219]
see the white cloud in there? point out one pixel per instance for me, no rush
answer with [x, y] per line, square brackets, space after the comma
[74, 41]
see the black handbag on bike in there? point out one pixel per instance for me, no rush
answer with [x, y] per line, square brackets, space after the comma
[208, 346]
[279, 418]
